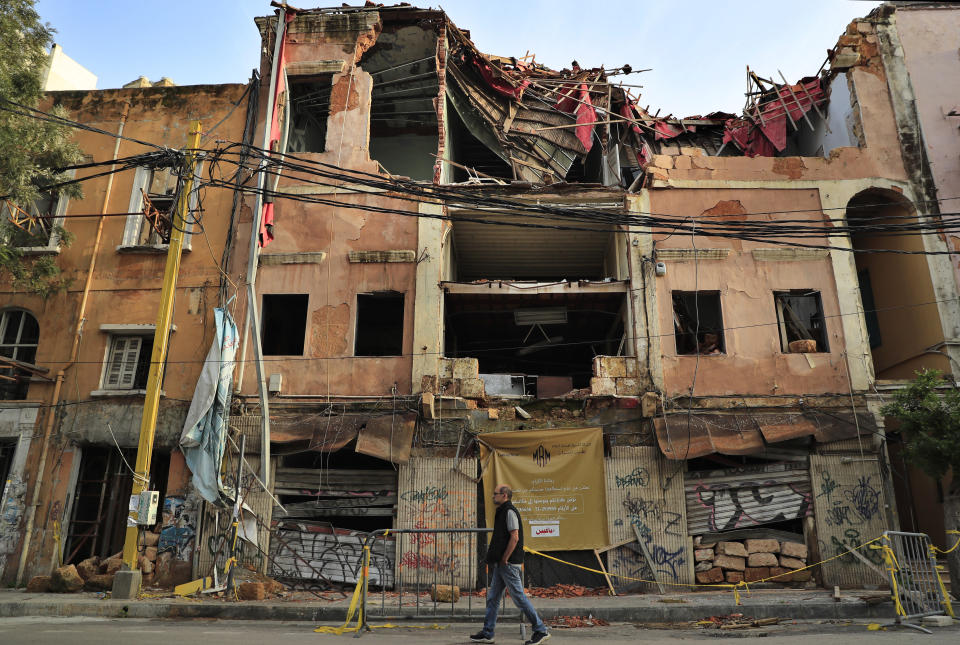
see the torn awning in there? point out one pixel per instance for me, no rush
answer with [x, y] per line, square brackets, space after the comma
[683, 436]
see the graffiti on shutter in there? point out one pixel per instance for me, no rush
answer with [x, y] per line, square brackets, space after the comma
[736, 498]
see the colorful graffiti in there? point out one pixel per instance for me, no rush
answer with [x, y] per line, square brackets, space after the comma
[732, 508]
[178, 527]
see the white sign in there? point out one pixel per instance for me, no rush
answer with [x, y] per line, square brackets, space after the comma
[544, 528]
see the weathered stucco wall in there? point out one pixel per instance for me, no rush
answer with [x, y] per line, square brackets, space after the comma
[930, 38]
[753, 362]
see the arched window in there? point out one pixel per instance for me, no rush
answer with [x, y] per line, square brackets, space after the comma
[19, 334]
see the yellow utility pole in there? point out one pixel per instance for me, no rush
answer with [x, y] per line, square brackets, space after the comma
[148, 423]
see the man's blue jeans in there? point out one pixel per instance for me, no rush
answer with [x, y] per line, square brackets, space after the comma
[508, 576]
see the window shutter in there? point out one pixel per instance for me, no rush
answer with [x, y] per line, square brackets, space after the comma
[122, 366]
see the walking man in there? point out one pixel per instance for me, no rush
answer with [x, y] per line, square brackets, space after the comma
[504, 561]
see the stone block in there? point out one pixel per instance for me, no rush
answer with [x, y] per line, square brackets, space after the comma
[657, 173]
[762, 546]
[683, 163]
[151, 553]
[99, 582]
[734, 576]
[632, 369]
[761, 560]
[614, 366]
[752, 574]
[793, 550]
[251, 591]
[146, 565]
[937, 621]
[126, 585]
[662, 161]
[648, 406]
[111, 565]
[801, 576]
[706, 565]
[428, 383]
[703, 554]
[730, 562]
[864, 27]
[89, 567]
[66, 580]
[627, 386]
[493, 413]
[779, 574]
[791, 563]
[444, 593]
[472, 388]
[847, 58]
[712, 576]
[735, 549]
[602, 386]
[848, 40]
[446, 368]
[38, 584]
[464, 368]
[689, 151]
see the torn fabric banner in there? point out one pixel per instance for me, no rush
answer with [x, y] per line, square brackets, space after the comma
[204, 431]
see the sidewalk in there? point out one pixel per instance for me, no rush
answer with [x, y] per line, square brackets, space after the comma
[805, 604]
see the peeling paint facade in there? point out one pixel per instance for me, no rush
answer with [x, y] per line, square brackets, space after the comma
[398, 326]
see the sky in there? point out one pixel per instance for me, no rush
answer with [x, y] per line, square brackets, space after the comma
[697, 50]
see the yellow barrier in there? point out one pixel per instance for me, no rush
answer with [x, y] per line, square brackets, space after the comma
[735, 587]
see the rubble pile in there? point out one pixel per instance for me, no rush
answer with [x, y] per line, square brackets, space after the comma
[565, 591]
[576, 622]
[750, 561]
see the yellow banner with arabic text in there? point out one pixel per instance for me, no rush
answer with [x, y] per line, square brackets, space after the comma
[558, 485]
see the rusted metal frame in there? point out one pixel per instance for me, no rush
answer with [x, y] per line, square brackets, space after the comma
[803, 112]
[152, 215]
[803, 86]
[27, 218]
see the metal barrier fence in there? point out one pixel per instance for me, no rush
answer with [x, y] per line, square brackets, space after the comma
[428, 558]
[915, 582]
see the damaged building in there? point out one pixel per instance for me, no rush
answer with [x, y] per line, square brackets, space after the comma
[437, 252]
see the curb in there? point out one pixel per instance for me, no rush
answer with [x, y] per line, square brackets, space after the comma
[667, 613]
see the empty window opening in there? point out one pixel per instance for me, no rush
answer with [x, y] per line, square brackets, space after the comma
[698, 322]
[101, 500]
[284, 324]
[7, 448]
[403, 118]
[473, 160]
[309, 110]
[19, 335]
[800, 318]
[379, 324]
[128, 362]
[534, 345]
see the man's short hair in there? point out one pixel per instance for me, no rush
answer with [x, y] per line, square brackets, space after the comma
[506, 490]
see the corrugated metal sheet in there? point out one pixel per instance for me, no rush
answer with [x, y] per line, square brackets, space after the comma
[214, 541]
[485, 251]
[850, 509]
[433, 495]
[723, 500]
[646, 491]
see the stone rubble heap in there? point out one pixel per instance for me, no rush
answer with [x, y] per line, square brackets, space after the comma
[750, 561]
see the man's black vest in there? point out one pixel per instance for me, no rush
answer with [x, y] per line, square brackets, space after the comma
[500, 537]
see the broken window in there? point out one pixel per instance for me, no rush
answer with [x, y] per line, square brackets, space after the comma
[35, 227]
[128, 362]
[19, 335]
[284, 323]
[379, 324]
[802, 326]
[151, 205]
[309, 111]
[698, 322]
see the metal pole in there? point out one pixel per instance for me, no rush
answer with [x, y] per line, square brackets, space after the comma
[161, 336]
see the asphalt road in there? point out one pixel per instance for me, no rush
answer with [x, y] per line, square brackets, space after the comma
[89, 631]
